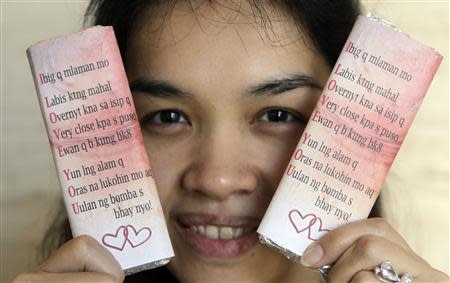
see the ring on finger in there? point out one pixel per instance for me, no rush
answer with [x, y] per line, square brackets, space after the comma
[387, 274]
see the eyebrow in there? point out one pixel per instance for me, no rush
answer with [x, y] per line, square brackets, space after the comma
[164, 89]
[278, 86]
[157, 88]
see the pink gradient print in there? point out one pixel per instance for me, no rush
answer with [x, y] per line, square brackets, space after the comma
[98, 148]
[353, 135]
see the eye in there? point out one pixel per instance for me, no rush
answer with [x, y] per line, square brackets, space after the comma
[165, 117]
[279, 115]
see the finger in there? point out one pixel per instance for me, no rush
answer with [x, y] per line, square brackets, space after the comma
[83, 254]
[364, 277]
[79, 277]
[369, 277]
[328, 248]
[367, 253]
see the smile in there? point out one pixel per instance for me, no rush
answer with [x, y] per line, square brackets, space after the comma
[220, 232]
[214, 236]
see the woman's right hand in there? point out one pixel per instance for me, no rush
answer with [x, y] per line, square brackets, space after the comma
[82, 259]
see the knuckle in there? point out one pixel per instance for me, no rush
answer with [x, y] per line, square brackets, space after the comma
[366, 246]
[380, 224]
[79, 247]
[83, 244]
[88, 240]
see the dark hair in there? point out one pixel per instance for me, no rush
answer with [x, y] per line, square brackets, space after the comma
[327, 23]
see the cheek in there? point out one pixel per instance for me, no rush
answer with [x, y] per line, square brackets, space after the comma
[166, 164]
[273, 153]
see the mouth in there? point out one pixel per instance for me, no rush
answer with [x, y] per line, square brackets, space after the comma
[215, 236]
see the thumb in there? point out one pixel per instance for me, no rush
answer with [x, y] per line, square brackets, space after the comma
[83, 254]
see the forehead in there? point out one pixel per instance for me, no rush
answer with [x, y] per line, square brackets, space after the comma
[213, 41]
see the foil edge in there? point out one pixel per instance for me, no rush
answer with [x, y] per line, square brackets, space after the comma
[382, 21]
[146, 266]
[372, 17]
[287, 253]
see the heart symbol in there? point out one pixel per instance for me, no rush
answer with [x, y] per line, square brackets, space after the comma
[137, 238]
[300, 222]
[115, 241]
[316, 229]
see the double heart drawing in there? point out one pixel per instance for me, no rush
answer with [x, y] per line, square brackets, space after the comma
[308, 222]
[125, 234]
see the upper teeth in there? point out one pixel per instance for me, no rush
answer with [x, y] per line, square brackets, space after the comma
[216, 232]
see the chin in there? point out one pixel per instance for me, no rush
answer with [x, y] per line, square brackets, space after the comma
[191, 267]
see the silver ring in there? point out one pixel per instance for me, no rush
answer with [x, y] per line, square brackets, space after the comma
[323, 271]
[387, 274]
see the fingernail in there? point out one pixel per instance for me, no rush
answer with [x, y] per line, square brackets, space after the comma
[312, 255]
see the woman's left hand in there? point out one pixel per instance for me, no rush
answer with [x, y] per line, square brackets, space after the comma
[356, 248]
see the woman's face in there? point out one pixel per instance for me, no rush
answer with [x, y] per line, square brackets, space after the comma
[222, 102]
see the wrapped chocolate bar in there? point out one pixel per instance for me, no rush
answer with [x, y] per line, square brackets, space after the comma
[352, 137]
[98, 149]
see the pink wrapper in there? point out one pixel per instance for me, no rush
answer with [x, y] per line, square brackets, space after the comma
[98, 149]
[352, 137]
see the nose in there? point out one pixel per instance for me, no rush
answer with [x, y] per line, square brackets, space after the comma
[221, 167]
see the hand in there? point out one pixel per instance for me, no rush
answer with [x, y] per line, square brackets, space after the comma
[355, 249]
[82, 259]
